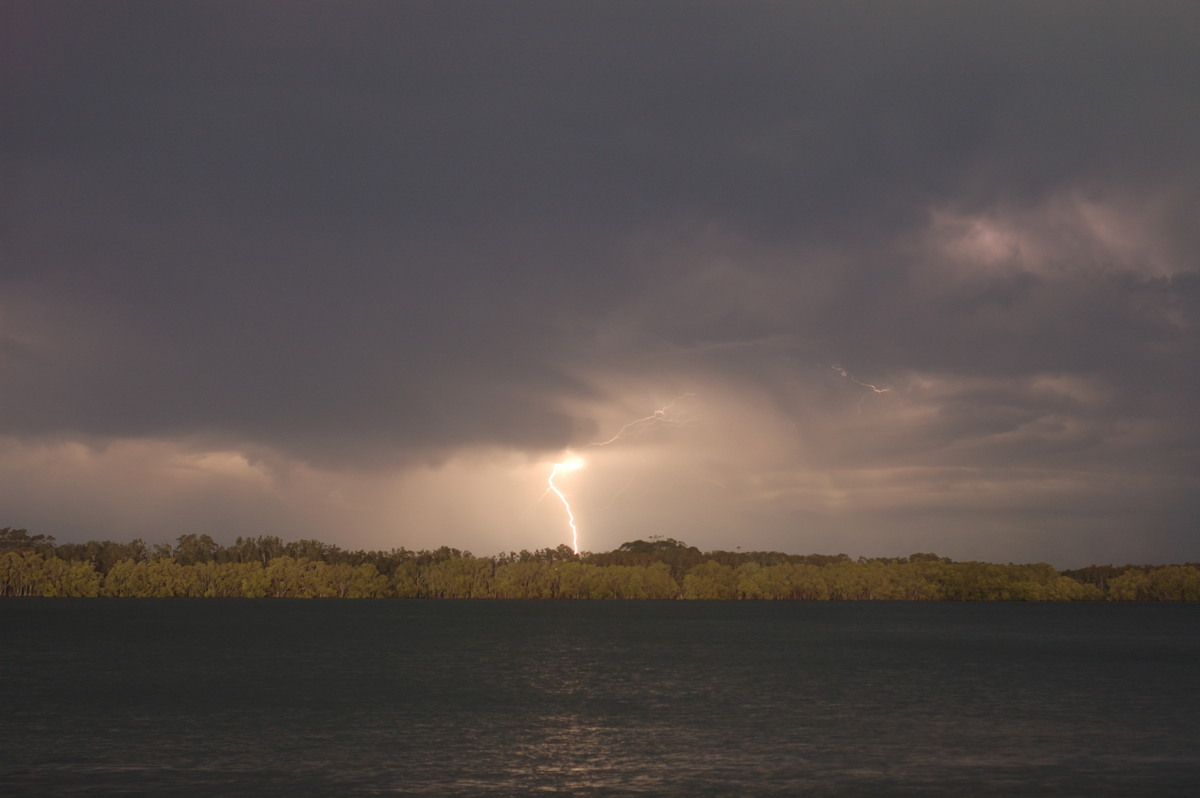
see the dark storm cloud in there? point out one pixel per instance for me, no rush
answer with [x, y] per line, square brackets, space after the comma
[361, 233]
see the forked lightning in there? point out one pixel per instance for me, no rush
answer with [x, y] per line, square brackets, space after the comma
[573, 462]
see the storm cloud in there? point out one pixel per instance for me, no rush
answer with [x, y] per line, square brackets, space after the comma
[921, 275]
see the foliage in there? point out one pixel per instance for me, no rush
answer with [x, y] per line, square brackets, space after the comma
[662, 568]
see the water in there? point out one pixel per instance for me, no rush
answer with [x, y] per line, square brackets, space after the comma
[243, 697]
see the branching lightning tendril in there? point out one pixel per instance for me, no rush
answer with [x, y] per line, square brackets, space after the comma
[850, 377]
[659, 418]
[856, 381]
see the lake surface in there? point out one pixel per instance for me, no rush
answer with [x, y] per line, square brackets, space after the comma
[259, 697]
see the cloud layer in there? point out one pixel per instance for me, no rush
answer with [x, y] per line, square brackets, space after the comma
[362, 272]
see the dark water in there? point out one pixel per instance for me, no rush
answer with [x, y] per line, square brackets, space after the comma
[212, 697]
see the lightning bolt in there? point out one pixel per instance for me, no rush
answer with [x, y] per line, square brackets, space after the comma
[572, 463]
[663, 417]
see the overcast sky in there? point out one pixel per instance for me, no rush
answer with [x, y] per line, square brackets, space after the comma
[882, 277]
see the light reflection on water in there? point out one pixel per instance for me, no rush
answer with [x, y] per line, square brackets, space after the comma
[596, 698]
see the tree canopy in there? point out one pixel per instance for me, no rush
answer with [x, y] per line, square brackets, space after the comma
[659, 568]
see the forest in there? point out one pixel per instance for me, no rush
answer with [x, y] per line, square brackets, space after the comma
[196, 566]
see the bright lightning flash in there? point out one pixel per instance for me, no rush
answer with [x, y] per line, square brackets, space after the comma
[572, 463]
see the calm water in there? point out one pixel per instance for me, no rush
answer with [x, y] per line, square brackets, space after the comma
[215, 697]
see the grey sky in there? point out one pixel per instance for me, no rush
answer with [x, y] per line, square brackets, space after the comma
[363, 271]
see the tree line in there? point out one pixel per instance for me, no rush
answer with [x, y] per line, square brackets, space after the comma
[664, 568]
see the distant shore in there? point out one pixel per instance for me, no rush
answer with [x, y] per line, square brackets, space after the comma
[266, 567]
